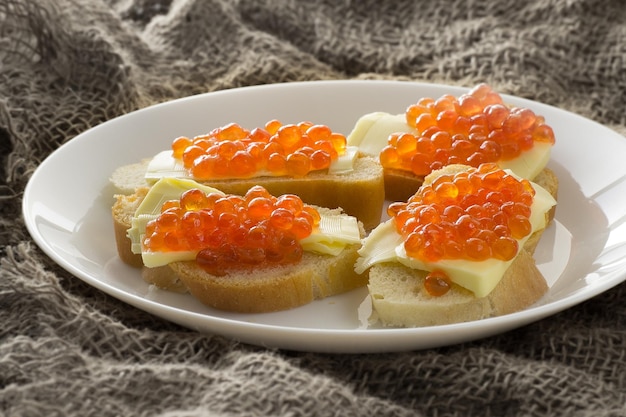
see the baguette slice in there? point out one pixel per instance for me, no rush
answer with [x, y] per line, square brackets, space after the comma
[246, 289]
[400, 185]
[123, 210]
[360, 193]
[399, 298]
[266, 289]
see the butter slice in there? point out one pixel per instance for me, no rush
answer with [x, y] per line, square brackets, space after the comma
[529, 163]
[384, 244]
[372, 131]
[334, 233]
[163, 190]
[164, 165]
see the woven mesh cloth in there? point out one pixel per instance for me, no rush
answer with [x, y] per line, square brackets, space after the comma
[66, 66]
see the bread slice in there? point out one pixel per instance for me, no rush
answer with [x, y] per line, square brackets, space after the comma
[273, 288]
[123, 210]
[129, 178]
[360, 192]
[401, 185]
[245, 289]
[399, 299]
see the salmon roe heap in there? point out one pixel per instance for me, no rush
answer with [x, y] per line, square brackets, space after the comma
[473, 129]
[230, 231]
[472, 215]
[276, 149]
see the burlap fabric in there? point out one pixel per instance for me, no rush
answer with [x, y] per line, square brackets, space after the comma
[65, 66]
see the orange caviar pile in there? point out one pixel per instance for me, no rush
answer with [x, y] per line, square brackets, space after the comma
[475, 128]
[281, 150]
[231, 230]
[473, 215]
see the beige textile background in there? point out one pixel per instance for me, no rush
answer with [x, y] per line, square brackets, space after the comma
[68, 65]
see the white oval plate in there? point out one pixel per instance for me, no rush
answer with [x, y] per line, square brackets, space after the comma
[67, 203]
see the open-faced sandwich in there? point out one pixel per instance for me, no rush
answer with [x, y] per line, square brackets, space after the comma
[250, 254]
[475, 128]
[458, 250]
[308, 160]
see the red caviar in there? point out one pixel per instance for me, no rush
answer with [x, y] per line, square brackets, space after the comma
[473, 215]
[437, 283]
[231, 230]
[473, 129]
[279, 149]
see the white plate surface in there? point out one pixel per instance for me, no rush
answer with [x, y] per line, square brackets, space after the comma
[67, 203]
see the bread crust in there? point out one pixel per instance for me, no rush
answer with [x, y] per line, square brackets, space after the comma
[122, 212]
[399, 298]
[400, 185]
[164, 278]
